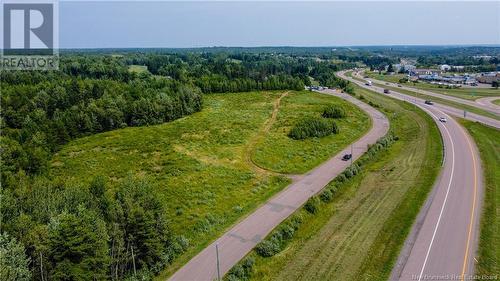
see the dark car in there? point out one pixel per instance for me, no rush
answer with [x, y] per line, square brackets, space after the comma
[386, 91]
[429, 102]
[347, 157]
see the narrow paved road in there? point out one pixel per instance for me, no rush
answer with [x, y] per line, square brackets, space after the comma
[444, 108]
[484, 106]
[443, 241]
[243, 237]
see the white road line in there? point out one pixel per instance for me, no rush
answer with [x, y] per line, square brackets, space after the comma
[445, 198]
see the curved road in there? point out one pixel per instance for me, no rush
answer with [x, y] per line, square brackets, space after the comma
[481, 105]
[443, 240]
[488, 102]
[444, 108]
[244, 236]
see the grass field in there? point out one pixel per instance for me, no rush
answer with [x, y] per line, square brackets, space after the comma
[497, 102]
[202, 165]
[138, 68]
[358, 236]
[464, 93]
[279, 153]
[488, 142]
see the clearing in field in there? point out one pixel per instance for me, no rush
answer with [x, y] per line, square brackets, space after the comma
[216, 165]
[359, 234]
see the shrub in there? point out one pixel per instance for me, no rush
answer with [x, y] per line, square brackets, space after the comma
[242, 270]
[312, 205]
[333, 111]
[268, 248]
[313, 127]
[326, 195]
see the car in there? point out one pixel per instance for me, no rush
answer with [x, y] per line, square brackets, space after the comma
[399, 85]
[386, 91]
[347, 157]
[442, 119]
[429, 102]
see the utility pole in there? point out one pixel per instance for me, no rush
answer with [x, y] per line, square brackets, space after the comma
[218, 264]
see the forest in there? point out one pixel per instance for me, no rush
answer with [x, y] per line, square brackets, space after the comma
[51, 230]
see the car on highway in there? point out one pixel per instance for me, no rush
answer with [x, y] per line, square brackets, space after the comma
[442, 119]
[399, 85]
[368, 83]
[429, 102]
[347, 157]
[386, 91]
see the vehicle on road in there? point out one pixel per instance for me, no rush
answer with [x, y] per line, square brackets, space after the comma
[347, 157]
[399, 85]
[442, 119]
[386, 91]
[368, 83]
[429, 102]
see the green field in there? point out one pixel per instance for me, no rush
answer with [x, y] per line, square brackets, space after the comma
[464, 93]
[488, 142]
[358, 236]
[138, 68]
[497, 102]
[203, 166]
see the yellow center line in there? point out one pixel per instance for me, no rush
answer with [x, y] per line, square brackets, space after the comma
[473, 204]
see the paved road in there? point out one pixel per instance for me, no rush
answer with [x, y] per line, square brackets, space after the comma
[443, 241]
[242, 238]
[444, 108]
[488, 102]
[484, 106]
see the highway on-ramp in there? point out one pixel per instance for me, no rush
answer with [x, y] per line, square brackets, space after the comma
[444, 108]
[443, 241]
[484, 103]
[234, 244]
[488, 102]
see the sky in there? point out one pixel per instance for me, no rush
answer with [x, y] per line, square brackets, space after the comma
[151, 24]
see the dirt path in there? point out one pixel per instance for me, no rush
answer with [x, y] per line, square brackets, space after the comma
[252, 144]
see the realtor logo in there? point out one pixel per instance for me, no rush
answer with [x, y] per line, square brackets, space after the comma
[29, 35]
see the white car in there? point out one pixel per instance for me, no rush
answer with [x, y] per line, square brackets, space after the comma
[442, 119]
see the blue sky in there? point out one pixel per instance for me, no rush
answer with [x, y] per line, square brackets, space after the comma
[110, 24]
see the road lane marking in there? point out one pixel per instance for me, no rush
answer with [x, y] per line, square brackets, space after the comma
[451, 178]
[445, 198]
[464, 266]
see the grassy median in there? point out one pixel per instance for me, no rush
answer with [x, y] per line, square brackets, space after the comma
[488, 141]
[359, 234]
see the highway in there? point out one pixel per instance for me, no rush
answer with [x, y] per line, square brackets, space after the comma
[488, 102]
[234, 244]
[484, 103]
[444, 108]
[443, 241]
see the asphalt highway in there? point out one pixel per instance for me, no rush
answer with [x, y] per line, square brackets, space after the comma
[482, 105]
[244, 236]
[443, 241]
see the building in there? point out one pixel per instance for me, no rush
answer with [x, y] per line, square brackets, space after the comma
[445, 67]
[488, 78]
